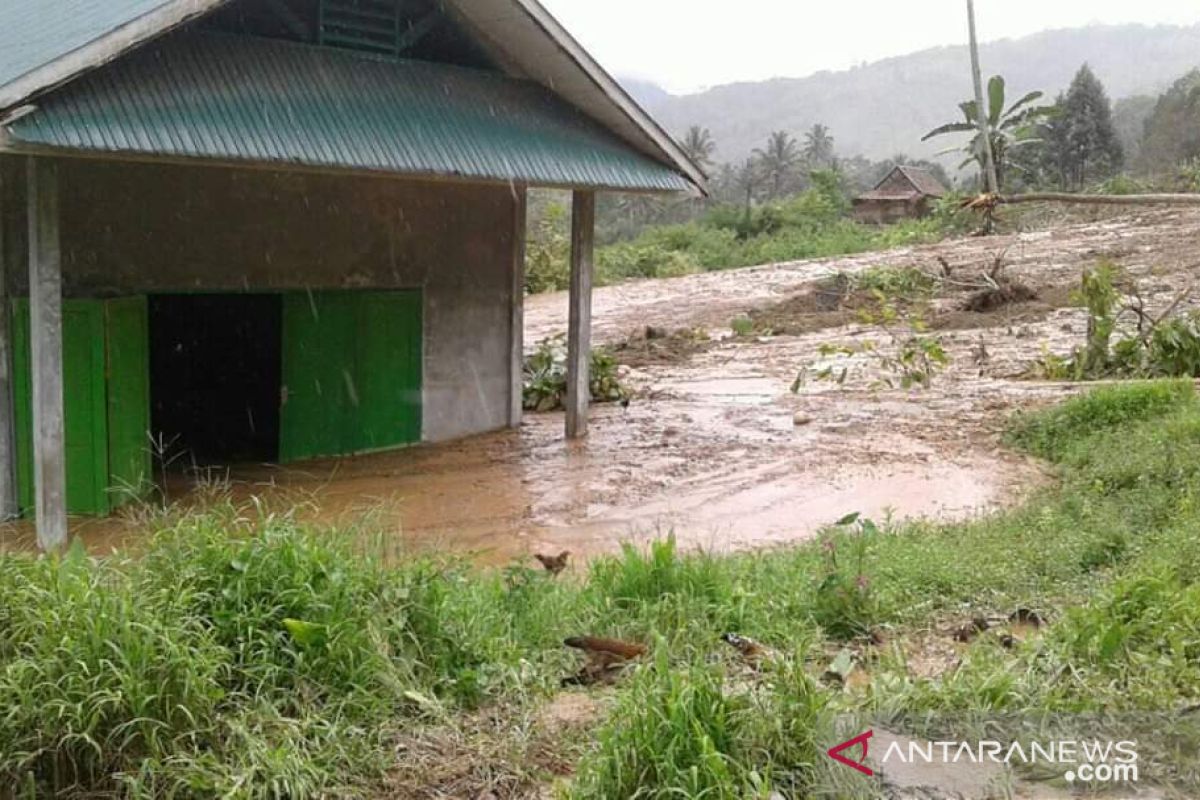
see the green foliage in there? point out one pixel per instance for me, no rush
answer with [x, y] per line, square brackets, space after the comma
[895, 283]
[1048, 433]
[641, 576]
[908, 356]
[842, 601]
[809, 225]
[1120, 184]
[545, 386]
[1160, 348]
[1171, 133]
[548, 252]
[688, 733]
[742, 326]
[1081, 143]
[1011, 128]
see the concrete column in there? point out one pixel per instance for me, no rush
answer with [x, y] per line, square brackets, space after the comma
[579, 326]
[12, 256]
[45, 333]
[517, 329]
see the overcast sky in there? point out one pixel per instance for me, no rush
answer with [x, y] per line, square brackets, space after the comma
[686, 45]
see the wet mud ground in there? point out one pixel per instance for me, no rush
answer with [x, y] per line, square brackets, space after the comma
[714, 445]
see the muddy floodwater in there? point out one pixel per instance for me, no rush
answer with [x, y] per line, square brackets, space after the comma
[715, 446]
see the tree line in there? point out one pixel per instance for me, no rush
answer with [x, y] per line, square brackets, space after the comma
[1079, 141]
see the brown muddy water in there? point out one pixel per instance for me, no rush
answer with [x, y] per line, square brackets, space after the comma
[716, 460]
[714, 446]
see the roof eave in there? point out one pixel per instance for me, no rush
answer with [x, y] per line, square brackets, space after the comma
[11, 145]
[615, 93]
[103, 49]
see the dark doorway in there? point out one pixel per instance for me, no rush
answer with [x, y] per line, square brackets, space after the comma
[215, 376]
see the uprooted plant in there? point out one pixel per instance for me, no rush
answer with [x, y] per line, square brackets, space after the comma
[905, 355]
[546, 376]
[989, 289]
[1166, 344]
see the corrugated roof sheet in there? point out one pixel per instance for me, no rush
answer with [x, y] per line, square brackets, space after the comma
[34, 34]
[216, 96]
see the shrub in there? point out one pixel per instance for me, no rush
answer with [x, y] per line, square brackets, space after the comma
[546, 376]
[1049, 433]
[548, 253]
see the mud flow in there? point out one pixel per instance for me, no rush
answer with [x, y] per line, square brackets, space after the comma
[715, 446]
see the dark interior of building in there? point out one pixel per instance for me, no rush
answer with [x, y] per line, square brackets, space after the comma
[215, 362]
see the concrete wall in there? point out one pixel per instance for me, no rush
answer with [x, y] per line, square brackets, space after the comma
[137, 228]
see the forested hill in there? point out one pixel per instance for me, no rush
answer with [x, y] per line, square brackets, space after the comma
[881, 109]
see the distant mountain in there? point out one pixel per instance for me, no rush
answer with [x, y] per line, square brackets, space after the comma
[647, 93]
[882, 109]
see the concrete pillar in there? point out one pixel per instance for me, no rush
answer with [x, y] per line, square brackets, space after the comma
[12, 256]
[517, 329]
[579, 326]
[45, 333]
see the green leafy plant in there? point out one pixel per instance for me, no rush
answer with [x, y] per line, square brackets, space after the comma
[545, 386]
[1167, 345]
[1011, 127]
[843, 604]
[909, 357]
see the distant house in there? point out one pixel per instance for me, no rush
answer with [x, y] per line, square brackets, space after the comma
[906, 193]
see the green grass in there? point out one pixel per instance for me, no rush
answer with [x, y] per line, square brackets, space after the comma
[813, 224]
[245, 655]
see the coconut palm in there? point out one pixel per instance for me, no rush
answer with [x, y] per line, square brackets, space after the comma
[778, 162]
[818, 147]
[1011, 129]
[699, 146]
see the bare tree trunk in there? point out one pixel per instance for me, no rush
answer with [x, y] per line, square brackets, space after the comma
[991, 178]
[1105, 199]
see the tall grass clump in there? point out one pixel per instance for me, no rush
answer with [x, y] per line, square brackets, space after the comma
[234, 654]
[93, 678]
[695, 732]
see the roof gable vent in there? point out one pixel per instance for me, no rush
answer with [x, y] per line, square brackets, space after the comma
[369, 26]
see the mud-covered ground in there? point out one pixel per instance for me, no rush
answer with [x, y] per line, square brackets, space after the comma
[714, 445]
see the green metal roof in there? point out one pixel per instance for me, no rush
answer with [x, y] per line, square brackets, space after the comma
[34, 34]
[233, 98]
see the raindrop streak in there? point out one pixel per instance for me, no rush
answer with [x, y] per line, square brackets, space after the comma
[350, 388]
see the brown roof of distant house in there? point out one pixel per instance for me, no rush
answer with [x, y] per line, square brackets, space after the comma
[906, 183]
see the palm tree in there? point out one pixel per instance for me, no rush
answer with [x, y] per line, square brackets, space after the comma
[818, 147]
[778, 161]
[699, 146]
[639, 208]
[746, 177]
[1010, 129]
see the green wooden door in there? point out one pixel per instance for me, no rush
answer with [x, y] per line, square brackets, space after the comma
[85, 411]
[106, 402]
[130, 468]
[351, 372]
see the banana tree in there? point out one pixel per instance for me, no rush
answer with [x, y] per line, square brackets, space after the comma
[1011, 129]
